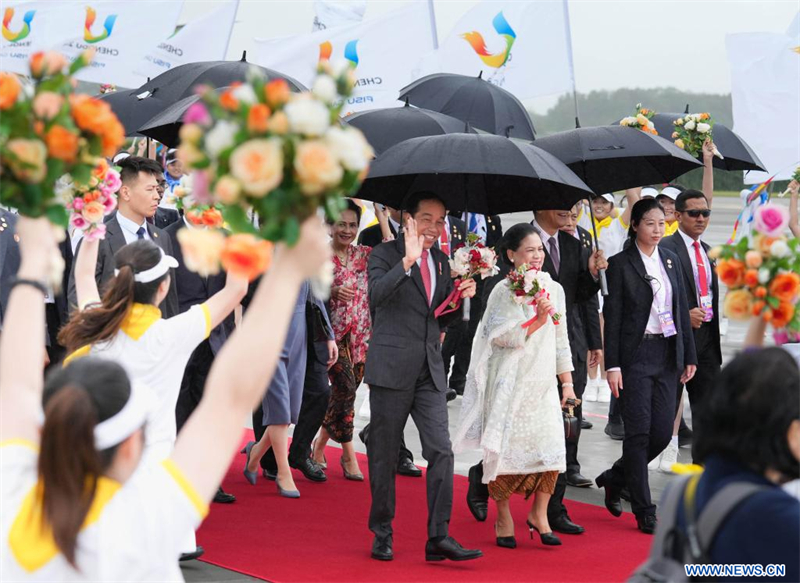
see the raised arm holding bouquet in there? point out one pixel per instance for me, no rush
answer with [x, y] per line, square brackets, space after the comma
[469, 261]
[692, 131]
[256, 147]
[530, 286]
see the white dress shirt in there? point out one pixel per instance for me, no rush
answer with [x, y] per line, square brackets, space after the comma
[129, 228]
[432, 268]
[693, 258]
[662, 289]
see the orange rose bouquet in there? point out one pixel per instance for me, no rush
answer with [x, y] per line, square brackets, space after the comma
[641, 120]
[258, 150]
[47, 132]
[762, 274]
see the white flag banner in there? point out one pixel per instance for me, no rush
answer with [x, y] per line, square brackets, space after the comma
[204, 39]
[385, 52]
[29, 27]
[523, 47]
[329, 14]
[122, 34]
[765, 91]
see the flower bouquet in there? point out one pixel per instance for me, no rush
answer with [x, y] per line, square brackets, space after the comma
[692, 131]
[46, 131]
[89, 203]
[528, 286]
[469, 261]
[795, 177]
[199, 215]
[761, 274]
[258, 149]
[640, 121]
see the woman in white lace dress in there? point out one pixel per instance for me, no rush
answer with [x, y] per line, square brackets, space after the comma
[511, 408]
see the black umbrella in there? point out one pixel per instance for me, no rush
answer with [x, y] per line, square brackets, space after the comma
[166, 126]
[180, 82]
[610, 158]
[480, 173]
[386, 127]
[737, 154]
[472, 100]
[133, 110]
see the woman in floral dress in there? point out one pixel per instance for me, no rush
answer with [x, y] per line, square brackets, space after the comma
[349, 314]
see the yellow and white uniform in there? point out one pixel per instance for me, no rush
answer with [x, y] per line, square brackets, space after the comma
[154, 352]
[611, 232]
[131, 533]
[670, 228]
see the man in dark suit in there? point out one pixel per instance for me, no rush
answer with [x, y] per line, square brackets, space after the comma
[372, 237]
[408, 280]
[702, 291]
[193, 289]
[164, 217]
[138, 200]
[583, 328]
[490, 230]
[566, 264]
[56, 309]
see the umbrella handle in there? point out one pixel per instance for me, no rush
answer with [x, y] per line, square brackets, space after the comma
[603, 282]
[465, 306]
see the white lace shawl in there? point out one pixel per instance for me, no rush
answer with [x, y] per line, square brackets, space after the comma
[510, 407]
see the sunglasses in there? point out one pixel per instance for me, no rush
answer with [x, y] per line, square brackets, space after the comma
[694, 213]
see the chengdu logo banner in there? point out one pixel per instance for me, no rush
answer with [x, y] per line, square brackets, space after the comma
[350, 52]
[384, 51]
[108, 26]
[24, 30]
[494, 60]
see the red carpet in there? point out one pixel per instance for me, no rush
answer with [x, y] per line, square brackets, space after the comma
[323, 536]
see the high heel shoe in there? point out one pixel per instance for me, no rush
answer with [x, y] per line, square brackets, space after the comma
[251, 476]
[324, 463]
[547, 538]
[507, 542]
[287, 493]
[359, 477]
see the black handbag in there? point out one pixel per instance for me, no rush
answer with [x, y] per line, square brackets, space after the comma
[572, 425]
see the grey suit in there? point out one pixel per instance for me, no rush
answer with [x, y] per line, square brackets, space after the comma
[405, 372]
[113, 242]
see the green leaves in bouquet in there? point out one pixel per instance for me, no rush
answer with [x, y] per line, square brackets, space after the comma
[237, 220]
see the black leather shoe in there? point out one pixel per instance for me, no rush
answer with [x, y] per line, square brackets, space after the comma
[448, 548]
[309, 468]
[222, 497]
[615, 431]
[685, 436]
[477, 496]
[198, 552]
[578, 480]
[382, 549]
[585, 424]
[647, 524]
[406, 467]
[363, 435]
[613, 504]
[564, 525]
[451, 395]
[269, 474]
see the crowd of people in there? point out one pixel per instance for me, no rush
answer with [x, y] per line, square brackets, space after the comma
[151, 368]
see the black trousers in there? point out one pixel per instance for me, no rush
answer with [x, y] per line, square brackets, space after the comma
[555, 507]
[458, 344]
[404, 453]
[647, 403]
[316, 394]
[193, 382]
[708, 367]
[390, 409]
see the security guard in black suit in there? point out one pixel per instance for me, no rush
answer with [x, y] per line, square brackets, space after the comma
[702, 291]
[649, 345]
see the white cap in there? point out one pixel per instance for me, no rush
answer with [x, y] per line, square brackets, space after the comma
[131, 417]
[649, 192]
[670, 192]
[607, 197]
[119, 157]
[163, 266]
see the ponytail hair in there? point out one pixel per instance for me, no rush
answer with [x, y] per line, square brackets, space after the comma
[103, 322]
[75, 400]
[639, 210]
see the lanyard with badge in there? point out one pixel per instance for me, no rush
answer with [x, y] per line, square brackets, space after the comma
[665, 318]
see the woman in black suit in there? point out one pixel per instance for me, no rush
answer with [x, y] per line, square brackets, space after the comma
[648, 345]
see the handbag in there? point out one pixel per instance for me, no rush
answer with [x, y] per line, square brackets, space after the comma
[572, 425]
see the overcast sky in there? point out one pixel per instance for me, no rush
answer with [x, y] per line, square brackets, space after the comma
[635, 43]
